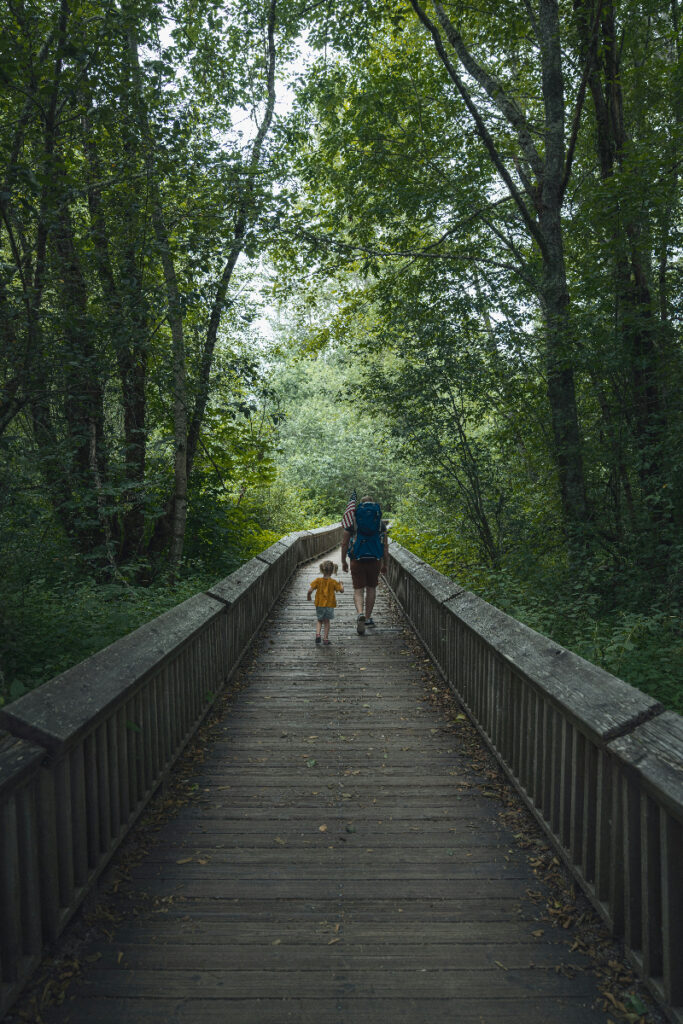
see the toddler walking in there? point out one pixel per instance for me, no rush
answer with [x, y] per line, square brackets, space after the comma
[325, 601]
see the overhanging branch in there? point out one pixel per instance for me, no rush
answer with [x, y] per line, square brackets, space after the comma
[481, 128]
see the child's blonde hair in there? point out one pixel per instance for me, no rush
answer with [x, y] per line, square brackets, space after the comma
[329, 568]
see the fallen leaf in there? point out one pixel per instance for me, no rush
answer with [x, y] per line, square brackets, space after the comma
[538, 933]
[636, 1004]
[322, 828]
[332, 942]
[185, 860]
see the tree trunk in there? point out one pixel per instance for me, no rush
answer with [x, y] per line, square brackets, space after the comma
[178, 505]
[239, 231]
[175, 320]
[128, 328]
[638, 325]
[551, 170]
[560, 379]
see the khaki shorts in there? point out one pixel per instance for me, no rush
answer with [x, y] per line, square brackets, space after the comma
[365, 573]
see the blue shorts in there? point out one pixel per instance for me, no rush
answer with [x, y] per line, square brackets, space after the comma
[322, 612]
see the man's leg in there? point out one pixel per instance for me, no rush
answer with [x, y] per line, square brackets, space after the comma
[358, 598]
[370, 594]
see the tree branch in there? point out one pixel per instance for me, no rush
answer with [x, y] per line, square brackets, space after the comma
[482, 131]
[239, 231]
[494, 90]
[580, 98]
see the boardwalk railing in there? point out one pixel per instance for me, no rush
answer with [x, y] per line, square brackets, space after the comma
[599, 763]
[81, 756]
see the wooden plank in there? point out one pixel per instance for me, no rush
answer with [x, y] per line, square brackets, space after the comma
[197, 930]
[274, 955]
[387, 911]
[266, 889]
[418, 983]
[347, 1010]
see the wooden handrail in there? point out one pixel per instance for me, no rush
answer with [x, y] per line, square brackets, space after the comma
[81, 756]
[599, 763]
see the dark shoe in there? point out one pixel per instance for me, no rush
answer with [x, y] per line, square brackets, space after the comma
[360, 625]
[369, 622]
[326, 642]
[318, 639]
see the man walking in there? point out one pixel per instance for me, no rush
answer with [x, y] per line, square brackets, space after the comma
[365, 542]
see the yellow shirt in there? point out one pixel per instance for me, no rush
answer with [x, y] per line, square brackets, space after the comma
[325, 588]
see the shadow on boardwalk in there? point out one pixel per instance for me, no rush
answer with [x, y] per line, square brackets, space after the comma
[337, 852]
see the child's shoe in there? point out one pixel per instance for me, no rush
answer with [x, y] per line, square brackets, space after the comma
[318, 639]
[326, 642]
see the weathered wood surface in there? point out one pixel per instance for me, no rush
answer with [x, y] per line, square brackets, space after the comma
[340, 863]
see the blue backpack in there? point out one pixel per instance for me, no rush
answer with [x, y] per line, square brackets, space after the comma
[367, 541]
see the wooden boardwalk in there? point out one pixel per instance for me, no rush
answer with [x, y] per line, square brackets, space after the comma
[340, 863]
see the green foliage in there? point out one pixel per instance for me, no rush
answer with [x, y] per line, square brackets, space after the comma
[331, 438]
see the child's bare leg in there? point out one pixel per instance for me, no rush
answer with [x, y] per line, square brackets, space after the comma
[326, 629]
[318, 626]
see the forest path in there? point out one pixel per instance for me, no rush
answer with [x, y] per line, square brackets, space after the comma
[341, 861]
